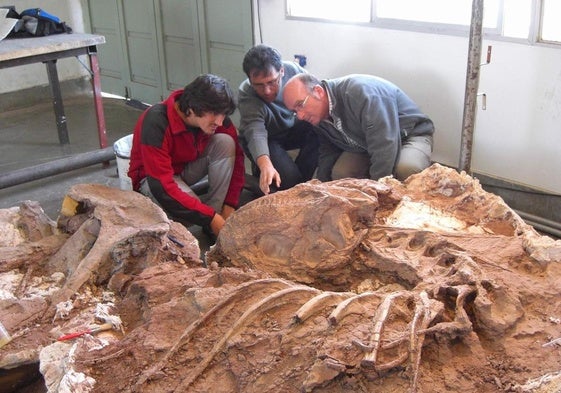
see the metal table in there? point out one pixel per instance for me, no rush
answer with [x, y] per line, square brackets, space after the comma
[21, 51]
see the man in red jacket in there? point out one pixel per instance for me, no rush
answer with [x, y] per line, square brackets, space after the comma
[181, 140]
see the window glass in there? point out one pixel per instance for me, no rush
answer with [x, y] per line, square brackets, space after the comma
[348, 10]
[551, 28]
[517, 18]
[507, 18]
[457, 12]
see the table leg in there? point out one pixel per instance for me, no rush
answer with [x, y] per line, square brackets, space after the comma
[96, 85]
[57, 102]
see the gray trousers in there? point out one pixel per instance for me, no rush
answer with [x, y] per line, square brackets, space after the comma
[413, 158]
[216, 162]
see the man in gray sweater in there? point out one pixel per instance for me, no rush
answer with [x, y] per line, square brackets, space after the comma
[268, 130]
[369, 127]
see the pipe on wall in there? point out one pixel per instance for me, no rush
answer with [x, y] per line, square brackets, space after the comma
[56, 167]
[472, 85]
[541, 224]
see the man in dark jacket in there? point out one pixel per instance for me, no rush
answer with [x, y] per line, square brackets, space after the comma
[369, 127]
[178, 142]
[268, 130]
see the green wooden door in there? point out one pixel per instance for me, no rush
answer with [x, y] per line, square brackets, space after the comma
[181, 51]
[104, 19]
[156, 46]
[228, 36]
[143, 68]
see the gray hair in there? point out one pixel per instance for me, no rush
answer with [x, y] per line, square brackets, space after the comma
[309, 81]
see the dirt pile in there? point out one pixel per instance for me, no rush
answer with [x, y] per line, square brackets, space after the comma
[431, 285]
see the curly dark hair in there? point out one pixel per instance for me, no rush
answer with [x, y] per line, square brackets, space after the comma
[260, 58]
[207, 93]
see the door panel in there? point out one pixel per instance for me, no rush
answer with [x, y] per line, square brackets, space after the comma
[181, 44]
[156, 46]
[140, 34]
[104, 19]
[227, 41]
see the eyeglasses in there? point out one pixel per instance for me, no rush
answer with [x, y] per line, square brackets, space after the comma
[271, 84]
[300, 105]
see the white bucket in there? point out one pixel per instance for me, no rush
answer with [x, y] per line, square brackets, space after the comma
[122, 149]
[125, 182]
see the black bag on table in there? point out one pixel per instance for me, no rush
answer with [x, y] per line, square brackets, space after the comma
[35, 22]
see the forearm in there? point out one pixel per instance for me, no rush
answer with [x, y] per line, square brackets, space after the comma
[263, 162]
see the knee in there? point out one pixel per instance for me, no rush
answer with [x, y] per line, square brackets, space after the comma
[223, 145]
[406, 169]
[415, 156]
[402, 172]
[340, 171]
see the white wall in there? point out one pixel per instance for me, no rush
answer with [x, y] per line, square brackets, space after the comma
[22, 77]
[518, 137]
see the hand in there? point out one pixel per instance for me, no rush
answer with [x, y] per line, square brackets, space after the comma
[227, 211]
[217, 223]
[268, 174]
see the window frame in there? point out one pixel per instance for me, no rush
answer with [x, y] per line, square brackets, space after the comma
[534, 34]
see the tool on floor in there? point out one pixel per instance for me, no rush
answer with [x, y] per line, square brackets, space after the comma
[91, 330]
[102, 313]
[177, 242]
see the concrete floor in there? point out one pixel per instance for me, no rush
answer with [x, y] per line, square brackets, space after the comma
[29, 137]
